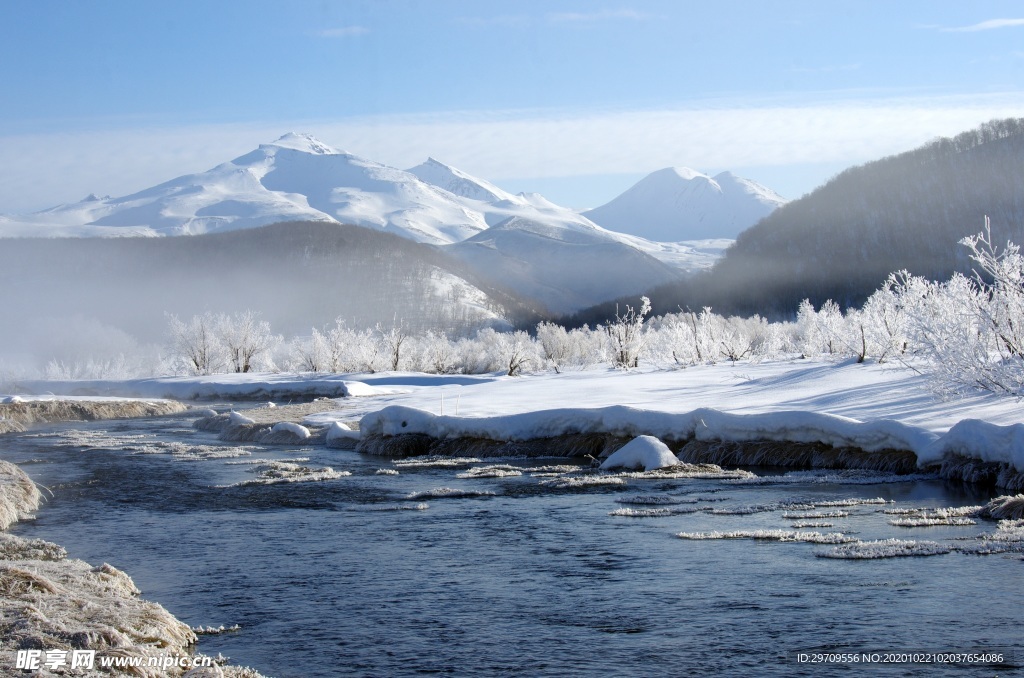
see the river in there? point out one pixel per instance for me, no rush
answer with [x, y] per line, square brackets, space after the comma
[364, 574]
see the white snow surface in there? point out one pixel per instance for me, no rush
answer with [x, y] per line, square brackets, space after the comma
[869, 406]
[643, 452]
[251, 386]
[678, 203]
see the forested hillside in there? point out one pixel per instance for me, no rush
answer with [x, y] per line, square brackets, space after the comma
[839, 242]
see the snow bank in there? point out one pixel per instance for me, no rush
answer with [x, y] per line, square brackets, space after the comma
[980, 440]
[790, 438]
[702, 424]
[248, 386]
[31, 410]
[643, 452]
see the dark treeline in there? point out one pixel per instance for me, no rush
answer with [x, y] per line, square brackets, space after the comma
[841, 241]
[297, 275]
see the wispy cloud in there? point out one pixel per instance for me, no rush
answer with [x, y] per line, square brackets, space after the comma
[594, 17]
[41, 170]
[989, 25]
[500, 20]
[343, 32]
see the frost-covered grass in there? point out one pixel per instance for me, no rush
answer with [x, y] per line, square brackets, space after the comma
[491, 471]
[19, 496]
[773, 535]
[448, 493]
[276, 472]
[886, 548]
[569, 482]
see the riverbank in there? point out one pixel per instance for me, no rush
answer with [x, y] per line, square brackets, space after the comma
[56, 606]
[17, 412]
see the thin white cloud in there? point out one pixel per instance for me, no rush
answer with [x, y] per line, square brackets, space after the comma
[343, 32]
[593, 17]
[41, 170]
[989, 25]
[513, 20]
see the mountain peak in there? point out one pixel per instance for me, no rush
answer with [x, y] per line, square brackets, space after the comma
[457, 182]
[678, 203]
[305, 143]
[683, 173]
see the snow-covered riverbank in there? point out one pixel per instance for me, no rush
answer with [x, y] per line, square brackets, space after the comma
[59, 605]
[883, 410]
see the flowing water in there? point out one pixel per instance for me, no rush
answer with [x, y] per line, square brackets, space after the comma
[380, 574]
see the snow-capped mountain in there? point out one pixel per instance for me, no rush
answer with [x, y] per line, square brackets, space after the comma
[523, 242]
[294, 178]
[677, 203]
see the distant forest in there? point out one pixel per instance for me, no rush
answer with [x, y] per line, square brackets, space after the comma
[906, 211]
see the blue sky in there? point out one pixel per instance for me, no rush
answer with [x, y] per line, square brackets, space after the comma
[576, 100]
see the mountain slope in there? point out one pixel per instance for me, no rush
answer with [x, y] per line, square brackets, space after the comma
[677, 203]
[294, 178]
[841, 241]
[563, 268]
[297, 275]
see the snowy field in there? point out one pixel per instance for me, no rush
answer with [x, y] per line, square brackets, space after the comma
[870, 406]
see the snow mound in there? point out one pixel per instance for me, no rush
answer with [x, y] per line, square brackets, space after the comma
[643, 452]
[239, 419]
[299, 431]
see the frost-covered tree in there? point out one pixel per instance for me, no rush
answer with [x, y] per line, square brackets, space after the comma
[195, 345]
[392, 339]
[562, 349]
[626, 339]
[437, 353]
[247, 339]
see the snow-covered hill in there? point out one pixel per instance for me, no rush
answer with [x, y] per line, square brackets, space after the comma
[678, 203]
[564, 268]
